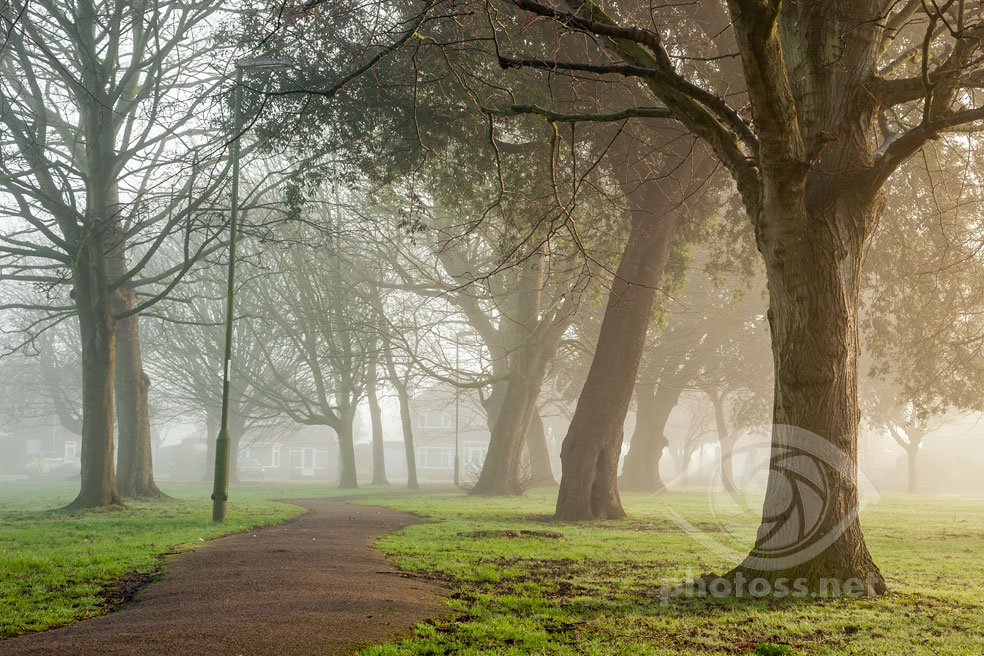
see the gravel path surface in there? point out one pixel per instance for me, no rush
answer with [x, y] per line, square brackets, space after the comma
[312, 585]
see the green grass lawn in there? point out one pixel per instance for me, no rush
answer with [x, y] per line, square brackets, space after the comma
[598, 590]
[58, 567]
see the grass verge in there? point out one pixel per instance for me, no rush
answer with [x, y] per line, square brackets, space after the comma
[58, 567]
[597, 590]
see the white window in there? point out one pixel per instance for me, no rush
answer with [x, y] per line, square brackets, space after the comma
[435, 457]
[268, 455]
[71, 450]
[434, 420]
[474, 453]
[308, 457]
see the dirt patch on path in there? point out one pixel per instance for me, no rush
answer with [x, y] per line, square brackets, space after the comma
[312, 585]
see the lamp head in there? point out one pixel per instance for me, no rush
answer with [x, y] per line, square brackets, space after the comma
[262, 64]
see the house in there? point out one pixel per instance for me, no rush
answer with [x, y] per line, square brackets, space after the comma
[40, 446]
[446, 420]
[443, 419]
[296, 452]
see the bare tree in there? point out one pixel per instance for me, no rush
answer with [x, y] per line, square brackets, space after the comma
[96, 95]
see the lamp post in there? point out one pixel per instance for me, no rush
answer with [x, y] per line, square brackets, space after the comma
[220, 488]
[457, 407]
[457, 403]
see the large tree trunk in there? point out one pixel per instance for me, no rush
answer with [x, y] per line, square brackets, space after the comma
[134, 462]
[539, 453]
[537, 470]
[654, 403]
[814, 208]
[347, 478]
[376, 418]
[98, 332]
[593, 446]
[134, 465]
[813, 261]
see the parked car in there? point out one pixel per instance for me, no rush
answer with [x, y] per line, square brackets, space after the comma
[250, 468]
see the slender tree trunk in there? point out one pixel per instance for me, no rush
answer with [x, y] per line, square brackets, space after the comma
[593, 446]
[212, 419]
[134, 462]
[237, 428]
[539, 453]
[98, 332]
[535, 341]
[347, 478]
[134, 466]
[913, 456]
[502, 472]
[640, 471]
[683, 458]
[376, 418]
[407, 420]
[725, 439]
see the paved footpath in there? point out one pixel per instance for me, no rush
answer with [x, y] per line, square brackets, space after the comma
[311, 586]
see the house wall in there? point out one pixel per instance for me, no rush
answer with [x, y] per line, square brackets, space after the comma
[304, 453]
[48, 442]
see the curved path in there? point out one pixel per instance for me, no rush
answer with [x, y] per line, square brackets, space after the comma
[312, 585]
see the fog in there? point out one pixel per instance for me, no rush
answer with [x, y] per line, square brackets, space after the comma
[570, 318]
[705, 382]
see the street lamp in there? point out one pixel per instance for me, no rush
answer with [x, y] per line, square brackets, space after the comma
[457, 404]
[220, 489]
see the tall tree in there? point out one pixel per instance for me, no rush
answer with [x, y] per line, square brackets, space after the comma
[376, 421]
[810, 162]
[659, 201]
[317, 333]
[94, 96]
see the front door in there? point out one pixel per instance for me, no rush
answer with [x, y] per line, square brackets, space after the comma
[307, 461]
